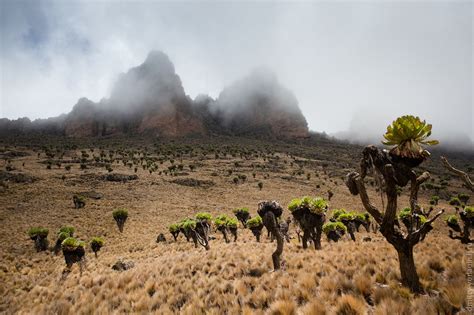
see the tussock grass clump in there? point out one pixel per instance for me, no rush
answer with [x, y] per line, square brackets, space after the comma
[120, 216]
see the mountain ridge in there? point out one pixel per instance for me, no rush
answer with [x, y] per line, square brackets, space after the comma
[150, 99]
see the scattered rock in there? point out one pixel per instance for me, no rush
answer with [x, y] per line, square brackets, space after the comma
[12, 154]
[91, 194]
[16, 177]
[161, 238]
[192, 182]
[255, 272]
[122, 265]
[119, 177]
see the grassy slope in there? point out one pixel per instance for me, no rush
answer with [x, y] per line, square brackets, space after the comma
[362, 276]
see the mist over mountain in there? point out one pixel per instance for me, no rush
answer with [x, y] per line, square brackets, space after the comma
[150, 99]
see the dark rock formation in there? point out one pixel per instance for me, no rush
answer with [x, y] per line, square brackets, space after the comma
[150, 99]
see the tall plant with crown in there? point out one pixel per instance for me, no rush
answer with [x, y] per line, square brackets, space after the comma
[407, 134]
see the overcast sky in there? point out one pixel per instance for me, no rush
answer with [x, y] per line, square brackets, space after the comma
[352, 65]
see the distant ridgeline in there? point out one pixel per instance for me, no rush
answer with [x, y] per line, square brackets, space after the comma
[150, 99]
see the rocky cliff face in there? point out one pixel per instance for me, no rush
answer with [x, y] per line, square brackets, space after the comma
[147, 99]
[150, 99]
[259, 104]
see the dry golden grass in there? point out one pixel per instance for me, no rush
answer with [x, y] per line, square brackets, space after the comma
[343, 278]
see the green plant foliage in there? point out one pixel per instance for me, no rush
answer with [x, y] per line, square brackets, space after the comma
[38, 231]
[463, 197]
[221, 220]
[422, 219]
[63, 235]
[337, 212]
[408, 134]
[315, 205]
[188, 225]
[404, 213]
[120, 213]
[333, 226]
[434, 200]
[452, 219]
[97, 241]
[454, 201]
[240, 210]
[204, 216]
[361, 216]
[232, 223]
[69, 230]
[174, 227]
[469, 211]
[71, 244]
[255, 222]
[346, 217]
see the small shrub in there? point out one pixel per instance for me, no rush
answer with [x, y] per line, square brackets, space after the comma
[454, 201]
[334, 226]
[120, 216]
[96, 244]
[255, 222]
[71, 244]
[469, 210]
[232, 223]
[221, 221]
[315, 205]
[464, 198]
[73, 251]
[38, 232]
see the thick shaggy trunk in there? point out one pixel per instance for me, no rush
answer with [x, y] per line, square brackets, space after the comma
[233, 231]
[279, 250]
[408, 272]
[305, 239]
[41, 243]
[224, 232]
[270, 223]
[317, 236]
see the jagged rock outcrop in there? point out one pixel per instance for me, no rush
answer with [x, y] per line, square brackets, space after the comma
[260, 105]
[150, 99]
[147, 99]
